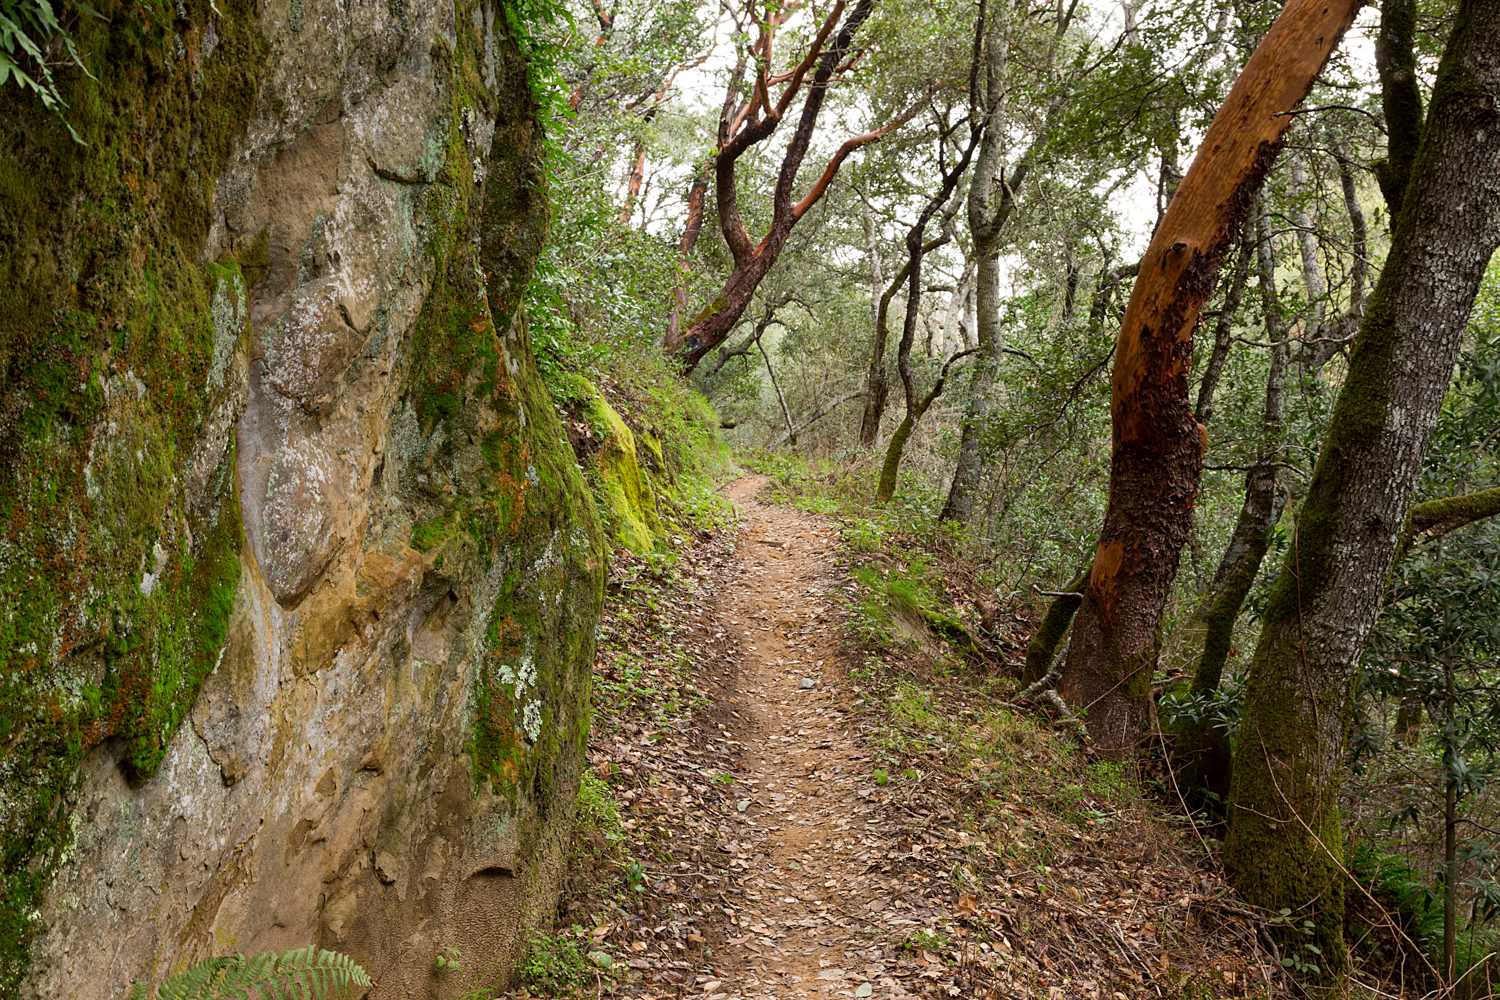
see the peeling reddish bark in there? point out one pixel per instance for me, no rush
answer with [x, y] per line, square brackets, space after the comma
[1158, 445]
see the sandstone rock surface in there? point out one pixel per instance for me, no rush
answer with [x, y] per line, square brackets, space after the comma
[298, 578]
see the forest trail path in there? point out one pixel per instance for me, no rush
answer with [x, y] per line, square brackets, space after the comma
[802, 783]
[810, 882]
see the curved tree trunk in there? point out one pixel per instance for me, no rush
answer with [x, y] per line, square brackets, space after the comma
[1049, 634]
[1284, 848]
[915, 248]
[1158, 446]
[741, 129]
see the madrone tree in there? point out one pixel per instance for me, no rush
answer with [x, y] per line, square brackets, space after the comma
[1158, 445]
[751, 113]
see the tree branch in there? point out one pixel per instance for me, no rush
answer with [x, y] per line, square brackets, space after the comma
[1436, 518]
[850, 145]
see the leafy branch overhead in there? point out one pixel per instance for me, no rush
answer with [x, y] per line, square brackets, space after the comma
[32, 37]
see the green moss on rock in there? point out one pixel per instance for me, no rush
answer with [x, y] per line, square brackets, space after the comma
[622, 484]
[119, 518]
[522, 507]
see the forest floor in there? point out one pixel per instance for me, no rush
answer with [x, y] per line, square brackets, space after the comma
[795, 826]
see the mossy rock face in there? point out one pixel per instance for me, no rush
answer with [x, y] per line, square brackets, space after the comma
[618, 466]
[278, 465]
[123, 361]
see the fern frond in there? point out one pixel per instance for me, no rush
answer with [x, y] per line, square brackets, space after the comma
[300, 974]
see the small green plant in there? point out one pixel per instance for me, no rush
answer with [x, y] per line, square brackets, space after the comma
[635, 877]
[723, 779]
[925, 939]
[305, 973]
[597, 810]
[882, 776]
[561, 965]
[1301, 958]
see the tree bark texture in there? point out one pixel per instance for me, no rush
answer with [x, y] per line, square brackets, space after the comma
[1284, 847]
[1158, 446]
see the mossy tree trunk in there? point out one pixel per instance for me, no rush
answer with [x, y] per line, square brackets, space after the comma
[1049, 634]
[1396, 63]
[1158, 446]
[1435, 518]
[914, 410]
[1284, 848]
[1264, 496]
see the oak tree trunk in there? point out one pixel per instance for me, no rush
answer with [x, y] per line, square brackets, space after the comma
[1285, 847]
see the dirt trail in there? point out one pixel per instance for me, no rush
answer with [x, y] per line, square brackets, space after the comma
[804, 776]
[801, 879]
